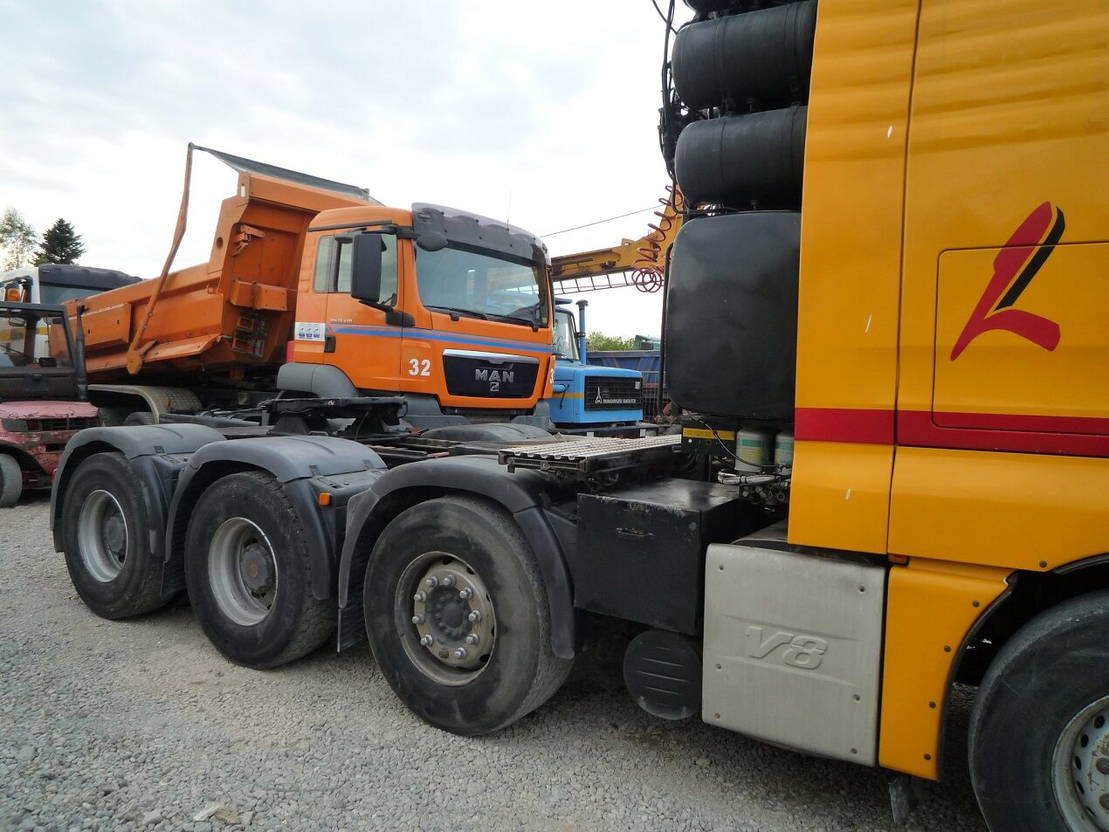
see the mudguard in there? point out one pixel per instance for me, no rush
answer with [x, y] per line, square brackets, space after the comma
[523, 494]
[321, 380]
[154, 452]
[305, 466]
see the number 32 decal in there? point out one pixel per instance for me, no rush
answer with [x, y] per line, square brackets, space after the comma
[419, 366]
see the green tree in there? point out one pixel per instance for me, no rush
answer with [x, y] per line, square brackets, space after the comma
[600, 342]
[60, 244]
[17, 239]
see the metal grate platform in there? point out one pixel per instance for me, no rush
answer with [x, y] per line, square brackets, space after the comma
[590, 456]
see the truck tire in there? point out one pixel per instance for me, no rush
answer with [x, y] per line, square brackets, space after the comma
[105, 534]
[1039, 734]
[247, 571]
[11, 481]
[456, 574]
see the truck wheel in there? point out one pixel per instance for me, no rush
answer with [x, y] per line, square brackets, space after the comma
[11, 481]
[458, 618]
[248, 573]
[1039, 735]
[104, 534]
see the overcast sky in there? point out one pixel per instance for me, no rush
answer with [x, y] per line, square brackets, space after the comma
[542, 113]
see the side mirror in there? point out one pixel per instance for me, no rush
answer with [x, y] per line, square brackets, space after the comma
[431, 241]
[365, 271]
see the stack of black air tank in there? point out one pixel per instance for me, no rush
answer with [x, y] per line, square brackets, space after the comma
[740, 75]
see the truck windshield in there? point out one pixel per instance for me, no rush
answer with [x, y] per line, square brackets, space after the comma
[33, 339]
[565, 337]
[482, 285]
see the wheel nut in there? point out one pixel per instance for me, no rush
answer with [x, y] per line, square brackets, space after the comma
[448, 580]
[431, 582]
[474, 616]
[1104, 801]
[465, 594]
[417, 619]
[460, 652]
[426, 640]
[419, 597]
[472, 638]
[1103, 765]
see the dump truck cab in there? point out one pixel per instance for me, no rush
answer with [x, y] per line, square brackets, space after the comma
[451, 308]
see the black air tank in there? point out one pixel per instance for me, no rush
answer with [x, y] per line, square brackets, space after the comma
[763, 56]
[740, 160]
[731, 319]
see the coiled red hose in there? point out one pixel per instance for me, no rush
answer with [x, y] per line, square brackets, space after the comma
[648, 267]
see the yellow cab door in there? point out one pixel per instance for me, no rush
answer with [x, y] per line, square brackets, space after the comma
[1003, 404]
[357, 338]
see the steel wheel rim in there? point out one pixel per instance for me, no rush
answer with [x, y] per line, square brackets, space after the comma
[442, 606]
[242, 571]
[1081, 769]
[102, 536]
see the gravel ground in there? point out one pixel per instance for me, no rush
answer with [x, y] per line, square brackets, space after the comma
[142, 725]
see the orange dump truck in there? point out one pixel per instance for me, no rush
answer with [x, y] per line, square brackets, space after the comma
[452, 310]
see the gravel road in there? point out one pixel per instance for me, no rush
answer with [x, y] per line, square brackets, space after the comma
[142, 725]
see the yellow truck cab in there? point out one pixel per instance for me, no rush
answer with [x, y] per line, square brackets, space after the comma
[952, 352]
[936, 188]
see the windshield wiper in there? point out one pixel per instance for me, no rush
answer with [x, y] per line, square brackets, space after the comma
[470, 313]
[516, 319]
[533, 320]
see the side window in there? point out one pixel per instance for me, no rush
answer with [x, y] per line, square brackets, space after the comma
[324, 253]
[343, 274]
[333, 267]
[388, 270]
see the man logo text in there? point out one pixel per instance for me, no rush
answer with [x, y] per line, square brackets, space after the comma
[494, 375]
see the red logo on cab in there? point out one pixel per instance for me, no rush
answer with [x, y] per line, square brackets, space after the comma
[1014, 268]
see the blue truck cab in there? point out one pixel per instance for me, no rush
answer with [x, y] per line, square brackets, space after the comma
[590, 399]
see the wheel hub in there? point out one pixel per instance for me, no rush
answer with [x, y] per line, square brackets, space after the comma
[242, 571]
[452, 614]
[256, 568]
[115, 535]
[1082, 769]
[102, 535]
[447, 614]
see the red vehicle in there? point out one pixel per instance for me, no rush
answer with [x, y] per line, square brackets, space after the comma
[42, 389]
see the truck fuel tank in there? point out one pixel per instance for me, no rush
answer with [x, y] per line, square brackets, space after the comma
[641, 549]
